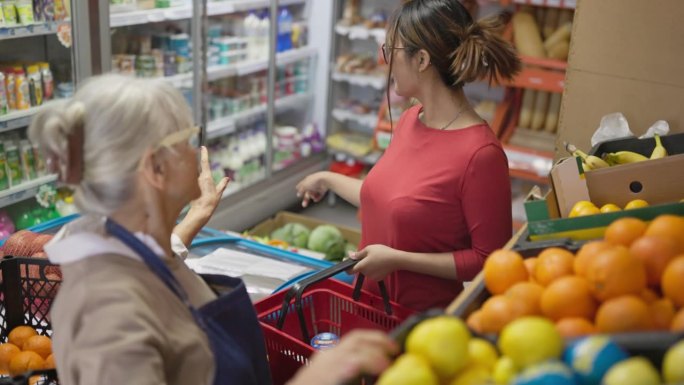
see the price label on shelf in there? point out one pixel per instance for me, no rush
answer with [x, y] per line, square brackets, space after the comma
[535, 80]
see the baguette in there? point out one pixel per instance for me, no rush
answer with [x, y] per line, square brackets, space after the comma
[562, 34]
[527, 36]
[559, 51]
[550, 22]
[526, 108]
[551, 123]
[541, 105]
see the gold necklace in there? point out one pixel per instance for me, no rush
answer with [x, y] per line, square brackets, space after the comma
[457, 116]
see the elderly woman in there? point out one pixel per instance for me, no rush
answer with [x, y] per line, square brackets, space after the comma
[129, 311]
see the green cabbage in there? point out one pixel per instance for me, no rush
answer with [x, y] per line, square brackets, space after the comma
[296, 234]
[328, 239]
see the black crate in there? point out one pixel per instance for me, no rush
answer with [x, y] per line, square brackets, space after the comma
[673, 143]
[26, 294]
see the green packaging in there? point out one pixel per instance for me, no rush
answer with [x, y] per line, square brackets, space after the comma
[10, 12]
[13, 164]
[28, 160]
[25, 11]
[4, 180]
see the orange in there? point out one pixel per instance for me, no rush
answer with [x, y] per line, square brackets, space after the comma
[671, 226]
[39, 344]
[672, 281]
[662, 312]
[7, 351]
[575, 327]
[568, 297]
[655, 252]
[50, 362]
[649, 296]
[474, 321]
[677, 324]
[586, 254]
[614, 272]
[627, 313]
[20, 334]
[528, 296]
[24, 362]
[624, 231]
[531, 264]
[497, 312]
[552, 264]
[503, 269]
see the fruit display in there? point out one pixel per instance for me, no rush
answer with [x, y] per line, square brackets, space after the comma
[26, 243]
[585, 208]
[25, 351]
[325, 239]
[593, 162]
[529, 351]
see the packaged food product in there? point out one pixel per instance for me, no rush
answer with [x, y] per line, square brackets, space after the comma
[10, 89]
[28, 161]
[4, 180]
[323, 341]
[25, 11]
[35, 85]
[38, 14]
[48, 10]
[2, 17]
[3, 95]
[41, 167]
[60, 11]
[48, 81]
[22, 90]
[13, 164]
[10, 12]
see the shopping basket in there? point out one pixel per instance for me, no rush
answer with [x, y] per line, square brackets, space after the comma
[329, 306]
[27, 291]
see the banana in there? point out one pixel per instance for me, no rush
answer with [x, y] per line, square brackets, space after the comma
[624, 157]
[592, 162]
[659, 151]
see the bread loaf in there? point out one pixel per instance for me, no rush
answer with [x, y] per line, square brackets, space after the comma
[527, 36]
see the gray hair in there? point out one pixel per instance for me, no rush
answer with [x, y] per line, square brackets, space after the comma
[121, 117]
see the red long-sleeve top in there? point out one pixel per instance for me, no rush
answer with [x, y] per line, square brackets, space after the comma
[436, 191]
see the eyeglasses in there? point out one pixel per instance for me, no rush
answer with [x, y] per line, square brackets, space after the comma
[387, 52]
[177, 137]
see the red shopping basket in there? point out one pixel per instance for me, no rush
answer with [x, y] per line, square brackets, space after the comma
[330, 306]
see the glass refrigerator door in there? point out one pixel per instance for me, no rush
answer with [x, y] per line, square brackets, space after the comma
[36, 66]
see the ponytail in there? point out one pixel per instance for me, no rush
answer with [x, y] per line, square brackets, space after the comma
[483, 54]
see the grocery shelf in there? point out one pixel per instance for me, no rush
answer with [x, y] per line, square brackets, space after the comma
[28, 30]
[17, 119]
[215, 8]
[227, 125]
[374, 81]
[235, 187]
[180, 80]
[24, 191]
[529, 164]
[253, 66]
[367, 120]
[359, 32]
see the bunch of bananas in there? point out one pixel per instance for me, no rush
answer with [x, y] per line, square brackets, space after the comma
[592, 162]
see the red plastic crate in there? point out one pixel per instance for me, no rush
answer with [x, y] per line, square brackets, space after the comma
[328, 307]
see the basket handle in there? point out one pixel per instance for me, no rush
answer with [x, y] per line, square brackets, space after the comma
[297, 290]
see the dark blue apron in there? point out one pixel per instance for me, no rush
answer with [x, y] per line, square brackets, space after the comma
[230, 321]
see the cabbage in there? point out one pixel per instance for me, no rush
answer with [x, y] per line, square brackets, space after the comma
[327, 239]
[296, 234]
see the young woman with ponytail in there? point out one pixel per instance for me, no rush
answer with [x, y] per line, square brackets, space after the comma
[439, 200]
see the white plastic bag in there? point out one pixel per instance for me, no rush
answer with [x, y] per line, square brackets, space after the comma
[615, 126]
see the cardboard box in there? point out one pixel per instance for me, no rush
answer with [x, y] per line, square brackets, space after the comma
[266, 227]
[625, 56]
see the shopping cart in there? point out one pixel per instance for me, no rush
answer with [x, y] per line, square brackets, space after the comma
[329, 306]
[27, 291]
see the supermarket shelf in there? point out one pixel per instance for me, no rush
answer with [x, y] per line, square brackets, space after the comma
[227, 125]
[37, 29]
[17, 119]
[24, 191]
[180, 80]
[235, 187]
[367, 120]
[185, 12]
[539, 79]
[250, 67]
[215, 8]
[529, 164]
[359, 32]
[369, 159]
[375, 81]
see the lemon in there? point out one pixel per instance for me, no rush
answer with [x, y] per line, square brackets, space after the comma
[482, 352]
[610, 208]
[409, 369]
[636, 204]
[530, 340]
[673, 370]
[442, 342]
[633, 371]
[473, 375]
[578, 207]
[589, 210]
[504, 371]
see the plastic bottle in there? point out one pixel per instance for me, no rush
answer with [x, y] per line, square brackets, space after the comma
[28, 161]
[13, 164]
[4, 178]
[41, 167]
[251, 31]
[35, 85]
[264, 30]
[48, 81]
[22, 90]
[11, 89]
[284, 31]
[4, 107]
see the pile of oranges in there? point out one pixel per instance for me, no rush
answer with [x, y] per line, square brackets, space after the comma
[25, 351]
[632, 280]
